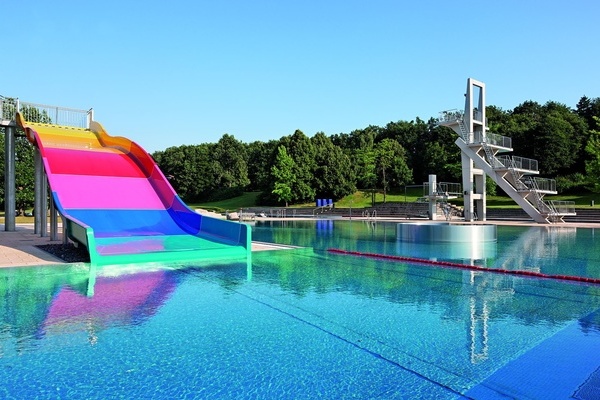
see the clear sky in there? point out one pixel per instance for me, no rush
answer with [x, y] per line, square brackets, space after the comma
[167, 73]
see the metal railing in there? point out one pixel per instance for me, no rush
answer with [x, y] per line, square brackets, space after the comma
[43, 113]
[444, 188]
[478, 116]
[492, 139]
[519, 162]
[450, 116]
[542, 184]
[563, 207]
[457, 115]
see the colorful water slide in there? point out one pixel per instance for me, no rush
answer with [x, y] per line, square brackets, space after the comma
[118, 204]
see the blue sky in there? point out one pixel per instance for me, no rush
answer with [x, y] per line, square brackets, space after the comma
[167, 73]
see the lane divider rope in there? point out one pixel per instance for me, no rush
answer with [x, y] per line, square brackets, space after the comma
[466, 266]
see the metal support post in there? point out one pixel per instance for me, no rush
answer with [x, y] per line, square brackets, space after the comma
[432, 197]
[37, 204]
[44, 231]
[65, 238]
[10, 199]
[53, 220]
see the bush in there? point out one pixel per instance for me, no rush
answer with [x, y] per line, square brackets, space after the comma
[573, 183]
[224, 194]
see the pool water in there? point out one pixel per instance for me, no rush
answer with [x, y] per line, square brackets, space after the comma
[307, 324]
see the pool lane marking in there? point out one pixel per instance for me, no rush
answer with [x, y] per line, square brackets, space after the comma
[466, 266]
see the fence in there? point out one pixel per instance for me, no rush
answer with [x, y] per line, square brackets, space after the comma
[46, 114]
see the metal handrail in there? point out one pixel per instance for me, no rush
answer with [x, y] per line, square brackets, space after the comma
[34, 112]
[447, 188]
[519, 162]
[542, 184]
[492, 139]
[450, 116]
[563, 207]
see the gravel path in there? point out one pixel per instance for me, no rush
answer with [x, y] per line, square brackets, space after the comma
[66, 252]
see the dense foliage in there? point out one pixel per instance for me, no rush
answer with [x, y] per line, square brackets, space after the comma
[298, 169]
[24, 162]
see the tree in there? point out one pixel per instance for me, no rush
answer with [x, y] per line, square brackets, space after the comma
[391, 163]
[365, 168]
[552, 134]
[333, 176]
[283, 174]
[24, 163]
[261, 157]
[588, 109]
[231, 157]
[592, 165]
[359, 147]
[300, 148]
[189, 170]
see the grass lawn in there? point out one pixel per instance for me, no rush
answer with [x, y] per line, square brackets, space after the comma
[363, 199]
[19, 220]
[248, 199]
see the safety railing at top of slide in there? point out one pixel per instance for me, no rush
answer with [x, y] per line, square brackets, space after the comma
[43, 113]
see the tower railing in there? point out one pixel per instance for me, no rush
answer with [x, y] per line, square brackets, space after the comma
[563, 207]
[543, 184]
[450, 116]
[444, 188]
[519, 162]
[492, 139]
[43, 113]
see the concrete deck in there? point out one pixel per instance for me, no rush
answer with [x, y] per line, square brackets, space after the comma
[18, 248]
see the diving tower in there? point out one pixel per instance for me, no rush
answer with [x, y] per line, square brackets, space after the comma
[480, 157]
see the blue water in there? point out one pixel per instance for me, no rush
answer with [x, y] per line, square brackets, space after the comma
[307, 324]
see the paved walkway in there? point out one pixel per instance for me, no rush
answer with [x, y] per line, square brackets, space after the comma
[19, 248]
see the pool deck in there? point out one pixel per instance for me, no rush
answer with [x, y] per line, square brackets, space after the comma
[18, 248]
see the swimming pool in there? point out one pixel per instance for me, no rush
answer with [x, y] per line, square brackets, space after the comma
[307, 324]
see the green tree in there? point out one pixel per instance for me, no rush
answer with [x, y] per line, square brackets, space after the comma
[333, 176]
[261, 157]
[301, 149]
[283, 175]
[592, 165]
[588, 109]
[231, 157]
[391, 164]
[24, 153]
[188, 168]
[365, 167]
[359, 147]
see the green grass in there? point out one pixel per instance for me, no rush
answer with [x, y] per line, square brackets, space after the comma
[362, 199]
[19, 220]
[248, 199]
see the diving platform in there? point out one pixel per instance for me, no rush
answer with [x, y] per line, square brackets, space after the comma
[481, 156]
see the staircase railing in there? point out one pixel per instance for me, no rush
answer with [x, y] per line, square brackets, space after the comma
[509, 163]
[543, 207]
[464, 134]
[492, 160]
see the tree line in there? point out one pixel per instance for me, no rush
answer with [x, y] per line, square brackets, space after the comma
[298, 169]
